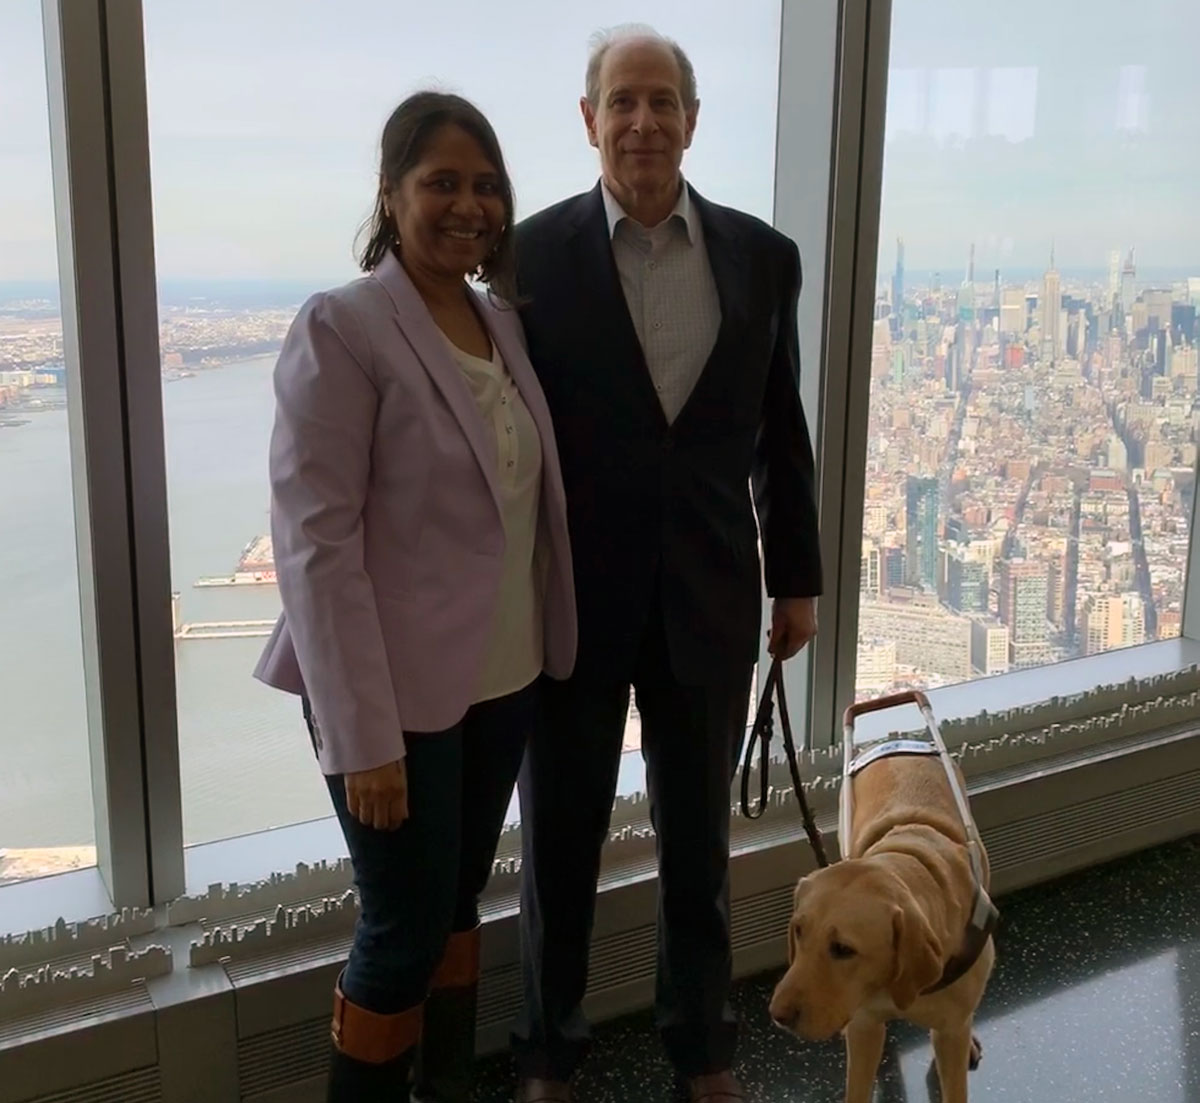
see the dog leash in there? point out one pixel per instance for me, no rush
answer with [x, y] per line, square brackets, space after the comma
[760, 733]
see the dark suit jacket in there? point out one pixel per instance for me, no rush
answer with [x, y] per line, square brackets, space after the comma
[666, 508]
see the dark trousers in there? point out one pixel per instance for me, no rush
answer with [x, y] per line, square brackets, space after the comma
[691, 739]
[421, 882]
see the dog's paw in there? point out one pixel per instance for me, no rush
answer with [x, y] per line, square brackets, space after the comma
[976, 1053]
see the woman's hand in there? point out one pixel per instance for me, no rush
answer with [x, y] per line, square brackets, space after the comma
[379, 798]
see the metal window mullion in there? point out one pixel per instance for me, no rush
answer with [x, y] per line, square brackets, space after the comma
[858, 185]
[841, 47]
[1190, 628]
[803, 167]
[138, 320]
[99, 454]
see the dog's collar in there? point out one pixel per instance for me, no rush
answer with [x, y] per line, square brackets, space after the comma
[984, 916]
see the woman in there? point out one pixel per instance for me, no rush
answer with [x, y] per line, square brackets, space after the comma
[421, 548]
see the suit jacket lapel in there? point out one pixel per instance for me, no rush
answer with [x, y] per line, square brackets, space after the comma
[728, 262]
[603, 299]
[429, 344]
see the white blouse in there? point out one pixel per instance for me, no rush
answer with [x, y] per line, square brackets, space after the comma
[515, 655]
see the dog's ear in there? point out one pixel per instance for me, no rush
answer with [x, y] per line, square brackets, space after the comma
[918, 954]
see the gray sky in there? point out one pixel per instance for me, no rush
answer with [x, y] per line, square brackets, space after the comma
[1008, 125]
[265, 114]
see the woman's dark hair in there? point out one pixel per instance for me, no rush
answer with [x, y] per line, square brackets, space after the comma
[406, 136]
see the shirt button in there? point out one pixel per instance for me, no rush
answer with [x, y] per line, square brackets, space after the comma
[508, 428]
[658, 325]
[652, 264]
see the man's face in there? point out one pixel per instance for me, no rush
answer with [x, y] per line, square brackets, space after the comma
[639, 123]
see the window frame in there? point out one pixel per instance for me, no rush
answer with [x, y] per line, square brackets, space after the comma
[100, 147]
[99, 155]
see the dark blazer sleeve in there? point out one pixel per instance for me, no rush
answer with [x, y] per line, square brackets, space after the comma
[783, 473]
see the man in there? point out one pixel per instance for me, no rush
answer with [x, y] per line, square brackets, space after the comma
[663, 328]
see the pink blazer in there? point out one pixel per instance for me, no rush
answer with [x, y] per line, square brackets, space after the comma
[386, 522]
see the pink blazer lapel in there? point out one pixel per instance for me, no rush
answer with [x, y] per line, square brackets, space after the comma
[429, 345]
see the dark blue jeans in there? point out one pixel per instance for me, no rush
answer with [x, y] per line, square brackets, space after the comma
[421, 882]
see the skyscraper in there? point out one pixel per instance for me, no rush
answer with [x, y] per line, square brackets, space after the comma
[1128, 278]
[1112, 620]
[1012, 311]
[921, 524]
[871, 581]
[1024, 588]
[966, 582]
[898, 290]
[1053, 338]
[966, 292]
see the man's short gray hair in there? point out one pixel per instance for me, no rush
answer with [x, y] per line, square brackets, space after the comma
[603, 41]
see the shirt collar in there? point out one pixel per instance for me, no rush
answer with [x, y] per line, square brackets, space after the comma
[683, 209]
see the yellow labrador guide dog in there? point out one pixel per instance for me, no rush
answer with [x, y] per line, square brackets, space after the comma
[902, 927]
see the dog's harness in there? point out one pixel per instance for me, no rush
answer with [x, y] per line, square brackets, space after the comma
[984, 913]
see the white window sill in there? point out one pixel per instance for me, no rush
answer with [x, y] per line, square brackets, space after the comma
[81, 894]
[1020, 688]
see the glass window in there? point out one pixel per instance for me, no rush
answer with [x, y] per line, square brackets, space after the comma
[1032, 445]
[46, 823]
[260, 184]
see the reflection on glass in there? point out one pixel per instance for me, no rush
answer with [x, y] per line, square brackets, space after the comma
[45, 783]
[1032, 440]
[260, 182]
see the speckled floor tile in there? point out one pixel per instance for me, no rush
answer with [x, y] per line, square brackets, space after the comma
[1095, 999]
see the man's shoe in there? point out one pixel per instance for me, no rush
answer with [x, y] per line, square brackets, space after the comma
[534, 1090]
[717, 1087]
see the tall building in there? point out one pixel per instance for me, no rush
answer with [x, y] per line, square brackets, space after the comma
[1012, 311]
[1118, 454]
[1054, 342]
[989, 646]
[1114, 279]
[898, 290]
[966, 293]
[871, 579]
[1128, 282]
[929, 639]
[893, 568]
[1158, 308]
[1024, 588]
[966, 582]
[921, 527]
[1110, 621]
[1184, 365]
[1183, 324]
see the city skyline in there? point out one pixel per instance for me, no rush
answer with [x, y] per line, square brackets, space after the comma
[1031, 464]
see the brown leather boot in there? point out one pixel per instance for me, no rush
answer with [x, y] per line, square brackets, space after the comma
[442, 1073]
[372, 1053]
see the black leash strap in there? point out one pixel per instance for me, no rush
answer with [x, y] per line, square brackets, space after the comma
[764, 728]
